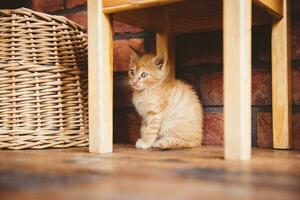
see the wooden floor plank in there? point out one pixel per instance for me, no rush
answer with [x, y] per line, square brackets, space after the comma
[129, 173]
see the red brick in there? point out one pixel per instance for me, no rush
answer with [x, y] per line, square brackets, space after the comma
[296, 130]
[261, 87]
[296, 86]
[264, 130]
[199, 48]
[75, 3]
[211, 88]
[47, 5]
[78, 17]
[122, 92]
[213, 129]
[126, 127]
[296, 40]
[122, 52]
[122, 28]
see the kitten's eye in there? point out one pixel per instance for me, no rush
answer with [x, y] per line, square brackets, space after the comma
[144, 75]
[131, 72]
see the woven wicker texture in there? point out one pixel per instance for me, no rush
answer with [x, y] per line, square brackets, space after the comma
[43, 81]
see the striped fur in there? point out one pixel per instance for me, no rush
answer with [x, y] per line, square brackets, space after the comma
[170, 109]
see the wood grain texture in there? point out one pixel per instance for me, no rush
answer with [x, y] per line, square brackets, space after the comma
[146, 18]
[281, 81]
[204, 16]
[129, 173]
[196, 16]
[187, 16]
[112, 6]
[165, 41]
[100, 79]
[237, 79]
[274, 7]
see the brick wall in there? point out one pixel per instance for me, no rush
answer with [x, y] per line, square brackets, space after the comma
[199, 62]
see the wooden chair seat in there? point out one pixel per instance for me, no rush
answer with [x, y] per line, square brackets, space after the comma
[170, 17]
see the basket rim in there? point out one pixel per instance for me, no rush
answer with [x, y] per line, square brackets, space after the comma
[45, 16]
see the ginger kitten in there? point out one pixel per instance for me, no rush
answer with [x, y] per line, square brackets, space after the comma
[170, 109]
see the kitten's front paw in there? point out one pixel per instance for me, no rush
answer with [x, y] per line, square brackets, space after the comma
[162, 144]
[141, 144]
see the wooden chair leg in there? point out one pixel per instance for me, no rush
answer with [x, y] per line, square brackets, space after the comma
[237, 79]
[165, 41]
[281, 81]
[100, 79]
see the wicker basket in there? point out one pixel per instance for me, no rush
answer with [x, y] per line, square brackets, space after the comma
[43, 81]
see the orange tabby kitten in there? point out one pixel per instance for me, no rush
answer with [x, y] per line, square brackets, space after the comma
[170, 109]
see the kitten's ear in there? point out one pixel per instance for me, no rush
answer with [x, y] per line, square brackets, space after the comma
[160, 61]
[134, 53]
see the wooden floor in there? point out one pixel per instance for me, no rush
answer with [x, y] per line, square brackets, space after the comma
[129, 173]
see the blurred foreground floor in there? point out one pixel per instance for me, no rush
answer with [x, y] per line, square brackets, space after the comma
[131, 174]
